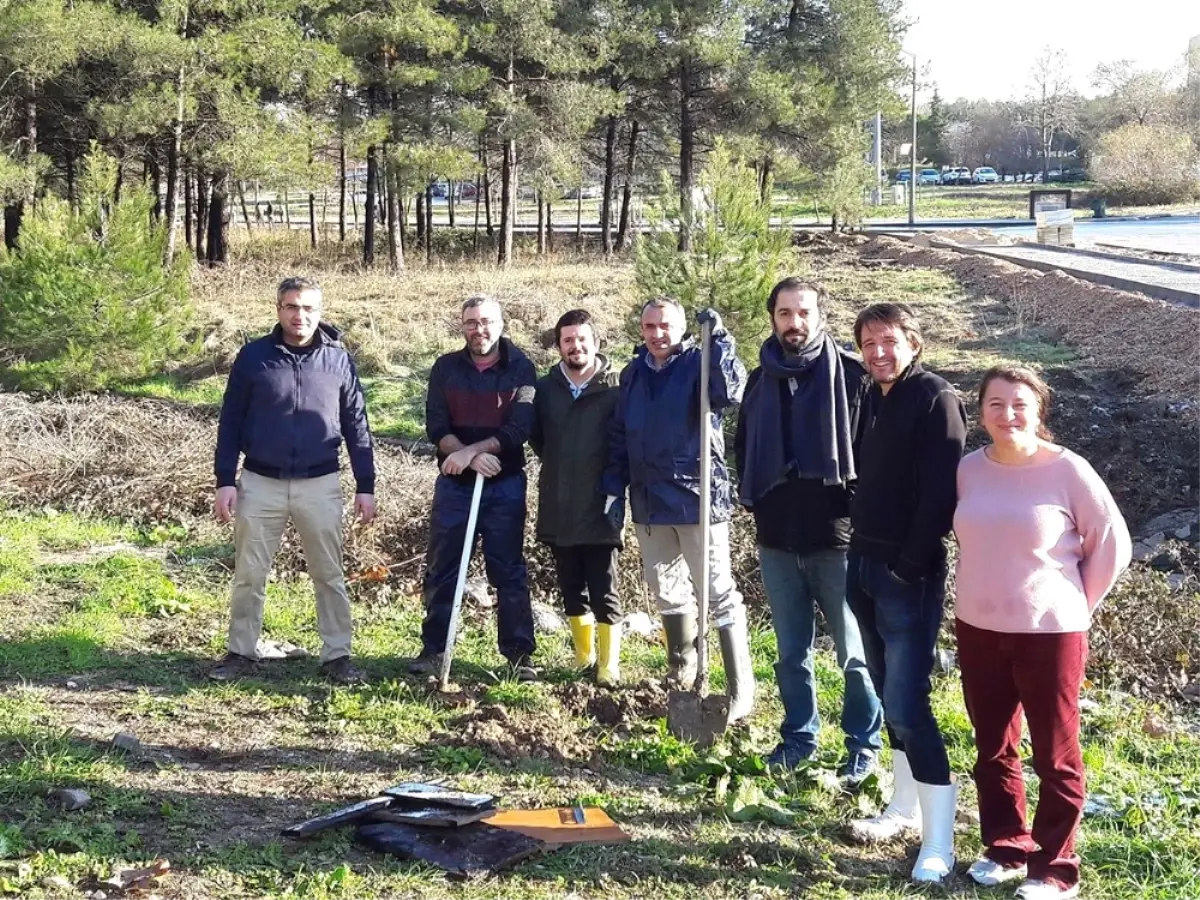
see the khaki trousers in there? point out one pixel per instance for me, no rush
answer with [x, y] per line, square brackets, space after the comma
[672, 557]
[263, 509]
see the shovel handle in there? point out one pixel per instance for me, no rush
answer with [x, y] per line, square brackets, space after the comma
[705, 509]
[460, 587]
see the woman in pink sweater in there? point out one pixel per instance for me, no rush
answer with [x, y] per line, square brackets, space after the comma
[1040, 543]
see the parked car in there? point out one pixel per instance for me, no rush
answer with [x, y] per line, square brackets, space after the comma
[929, 176]
[985, 175]
[957, 175]
[903, 176]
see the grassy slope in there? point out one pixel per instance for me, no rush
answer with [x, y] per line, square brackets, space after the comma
[105, 628]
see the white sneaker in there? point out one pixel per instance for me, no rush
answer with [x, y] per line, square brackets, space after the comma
[1036, 889]
[989, 873]
[903, 813]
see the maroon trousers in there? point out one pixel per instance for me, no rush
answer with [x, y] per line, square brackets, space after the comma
[1042, 674]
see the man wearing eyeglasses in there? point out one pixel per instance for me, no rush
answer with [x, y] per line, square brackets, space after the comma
[479, 415]
[292, 398]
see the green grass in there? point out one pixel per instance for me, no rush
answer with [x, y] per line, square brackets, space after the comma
[227, 765]
[106, 627]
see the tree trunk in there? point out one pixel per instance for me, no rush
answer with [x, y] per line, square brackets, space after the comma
[342, 187]
[15, 212]
[241, 192]
[218, 221]
[687, 151]
[579, 216]
[549, 228]
[116, 198]
[428, 222]
[475, 227]
[764, 178]
[369, 226]
[187, 204]
[312, 219]
[541, 225]
[487, 195]
[354, 204]
[403, 204]
[155, 168]
[420, 216]
[508, 202]
[450, 187]
[201, 213]
[610, 172]
[72, 187]
[12, 224]
[287, 211]
[395, 247]
[627, 193]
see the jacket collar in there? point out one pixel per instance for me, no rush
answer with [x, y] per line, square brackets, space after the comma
[326, 334]
[603, 375]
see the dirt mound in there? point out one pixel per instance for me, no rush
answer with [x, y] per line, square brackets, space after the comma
[645, 700]
[547, 734]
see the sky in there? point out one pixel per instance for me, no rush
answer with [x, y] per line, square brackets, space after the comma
[985, 51]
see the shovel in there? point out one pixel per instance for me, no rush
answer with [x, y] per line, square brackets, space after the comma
[694, 715]
[468, 543]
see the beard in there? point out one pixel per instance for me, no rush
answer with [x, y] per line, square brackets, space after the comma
[576, 363]
[793, 340]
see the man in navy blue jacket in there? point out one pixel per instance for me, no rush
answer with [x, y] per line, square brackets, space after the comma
[479, 414]
[655, 452]
[293, 396]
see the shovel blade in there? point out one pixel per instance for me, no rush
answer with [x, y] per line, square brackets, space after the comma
[700, 720]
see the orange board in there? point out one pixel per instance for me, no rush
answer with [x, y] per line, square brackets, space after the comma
[559, 826]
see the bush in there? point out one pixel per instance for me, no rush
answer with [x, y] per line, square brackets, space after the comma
[735, 257]
[1147, 165]
[85, 301]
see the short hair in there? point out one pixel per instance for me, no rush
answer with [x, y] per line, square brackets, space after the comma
[478, 300]
[298, 284]
[663, 302]
[799, 285]
[573, 317]
[1027, 377]
[897, 315]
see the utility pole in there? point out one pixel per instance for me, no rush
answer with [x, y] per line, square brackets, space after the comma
[878, 192]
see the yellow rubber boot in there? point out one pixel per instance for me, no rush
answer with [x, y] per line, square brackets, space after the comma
[583, 633]
[608, 670]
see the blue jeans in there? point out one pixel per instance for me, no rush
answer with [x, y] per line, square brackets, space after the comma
[794, 582]
[900, 623]
[501, 527]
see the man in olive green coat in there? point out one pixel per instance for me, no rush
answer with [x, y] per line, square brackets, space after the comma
[572, 408]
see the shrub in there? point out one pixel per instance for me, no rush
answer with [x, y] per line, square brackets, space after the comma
[1147, 164]
[85, 300]
[735, 256]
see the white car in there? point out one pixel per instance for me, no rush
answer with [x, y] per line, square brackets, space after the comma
[985, 175]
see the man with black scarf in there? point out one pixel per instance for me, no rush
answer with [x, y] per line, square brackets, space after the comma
[795, 458]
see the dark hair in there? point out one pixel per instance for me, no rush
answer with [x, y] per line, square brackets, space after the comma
[662, 302]
[792, 283]
[1029, 378]
[572, 317]
[478, 300]
[297, 284]
[898, 315]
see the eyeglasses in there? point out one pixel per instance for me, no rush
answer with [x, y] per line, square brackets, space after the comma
[476, 324]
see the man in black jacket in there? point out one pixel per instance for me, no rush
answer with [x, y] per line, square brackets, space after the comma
[572, 409]
[292, 398]
[901, 513]
[479, 413]
[795, 458]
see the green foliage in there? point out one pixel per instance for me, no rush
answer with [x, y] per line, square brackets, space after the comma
[651, 749]
[1147, 164]
[86, 300]
[735, 257]
[844, 187]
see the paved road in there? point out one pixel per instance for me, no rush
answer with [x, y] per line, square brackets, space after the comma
[1177, 234]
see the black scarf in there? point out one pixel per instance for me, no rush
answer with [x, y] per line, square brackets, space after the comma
[816, 382]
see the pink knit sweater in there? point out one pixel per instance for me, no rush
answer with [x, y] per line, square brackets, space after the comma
[1039, 545]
